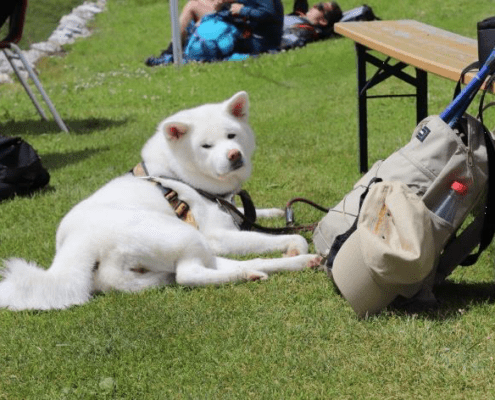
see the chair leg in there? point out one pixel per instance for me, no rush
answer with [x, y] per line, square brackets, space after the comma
[24, 83]
[37, 83]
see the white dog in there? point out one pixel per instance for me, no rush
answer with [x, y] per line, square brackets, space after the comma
[128, 236]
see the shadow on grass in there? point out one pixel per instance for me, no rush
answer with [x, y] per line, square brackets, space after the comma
[453, 300]
[53, 161]
[461, 296]
[40, 126]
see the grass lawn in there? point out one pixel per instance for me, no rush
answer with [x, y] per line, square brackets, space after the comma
[291, 336]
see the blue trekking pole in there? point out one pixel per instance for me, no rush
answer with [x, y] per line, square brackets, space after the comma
[460, 104]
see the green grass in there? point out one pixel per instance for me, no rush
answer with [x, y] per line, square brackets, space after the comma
[291, 336]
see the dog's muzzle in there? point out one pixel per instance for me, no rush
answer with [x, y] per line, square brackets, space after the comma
[237, 164]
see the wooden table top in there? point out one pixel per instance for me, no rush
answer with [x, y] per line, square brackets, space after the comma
[423, 46]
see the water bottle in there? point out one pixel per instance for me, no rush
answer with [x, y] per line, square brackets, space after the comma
[448, 207]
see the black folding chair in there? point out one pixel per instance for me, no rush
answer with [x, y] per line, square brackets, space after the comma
[15, 12]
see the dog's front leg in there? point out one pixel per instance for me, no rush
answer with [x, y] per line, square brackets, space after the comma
[246, 242]
[272, 265]
[267, 212]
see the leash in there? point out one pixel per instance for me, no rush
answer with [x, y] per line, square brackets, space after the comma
[289, 216]
[251, 225]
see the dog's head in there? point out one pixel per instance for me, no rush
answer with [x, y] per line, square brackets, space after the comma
[212, 144]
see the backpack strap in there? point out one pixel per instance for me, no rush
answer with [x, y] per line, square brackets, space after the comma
[340, 239]
[488, 229]
[474, 65]
[482, 107]
[479, 232]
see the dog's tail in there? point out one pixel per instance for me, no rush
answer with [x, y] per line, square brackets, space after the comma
[26, 286]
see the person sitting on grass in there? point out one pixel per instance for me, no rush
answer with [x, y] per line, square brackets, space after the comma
[261, 23]
[193, 11]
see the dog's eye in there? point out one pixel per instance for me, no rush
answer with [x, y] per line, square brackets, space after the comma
[206, 146]
[231, 136]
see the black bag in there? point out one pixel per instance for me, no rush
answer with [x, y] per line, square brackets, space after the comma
[21, 172]
[486, 38]
[362, 13]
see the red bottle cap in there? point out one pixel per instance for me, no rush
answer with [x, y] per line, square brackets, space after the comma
[459, 188]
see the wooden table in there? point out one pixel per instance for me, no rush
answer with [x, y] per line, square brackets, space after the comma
[424, 47]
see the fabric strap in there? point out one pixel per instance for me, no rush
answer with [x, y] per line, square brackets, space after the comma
[479, 232]
[340, 239]
[482, 229]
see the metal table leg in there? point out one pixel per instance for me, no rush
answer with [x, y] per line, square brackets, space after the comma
[384, 71]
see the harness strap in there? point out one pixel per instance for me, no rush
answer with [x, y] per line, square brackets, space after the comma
[139, 170]
[181, 208]
[244, 221]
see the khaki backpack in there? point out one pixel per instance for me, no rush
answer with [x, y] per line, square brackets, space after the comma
[435, 157]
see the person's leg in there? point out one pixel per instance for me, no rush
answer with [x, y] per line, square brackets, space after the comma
[194, 10]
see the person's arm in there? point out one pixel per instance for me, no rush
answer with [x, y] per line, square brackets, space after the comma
[255, 13]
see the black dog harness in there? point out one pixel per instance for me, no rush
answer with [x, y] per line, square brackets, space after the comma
[244, 222]
[182, 210]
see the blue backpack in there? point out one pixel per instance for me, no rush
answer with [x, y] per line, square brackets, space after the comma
[214, 39]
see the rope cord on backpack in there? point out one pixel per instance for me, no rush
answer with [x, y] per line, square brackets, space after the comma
[482, 108]
[488, 83]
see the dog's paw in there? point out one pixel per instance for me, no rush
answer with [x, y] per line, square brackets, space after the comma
[297, 246]
[256, 276]
[270, 213]
[314, 262]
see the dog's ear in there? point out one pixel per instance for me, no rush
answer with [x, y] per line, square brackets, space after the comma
[238, 105]
[174, 130]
